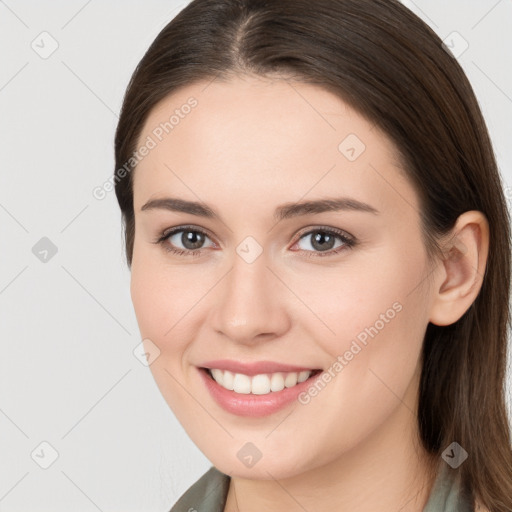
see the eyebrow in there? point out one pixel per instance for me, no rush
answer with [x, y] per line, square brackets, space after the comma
[282, 212]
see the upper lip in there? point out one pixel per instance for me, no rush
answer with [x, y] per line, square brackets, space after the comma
[254, 367]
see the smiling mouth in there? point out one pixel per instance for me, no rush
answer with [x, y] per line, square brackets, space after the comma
[261, 384]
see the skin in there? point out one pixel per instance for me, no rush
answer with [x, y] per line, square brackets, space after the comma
[250, 145]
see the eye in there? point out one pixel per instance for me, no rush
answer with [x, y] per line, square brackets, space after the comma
[191, 240]
[322, 242]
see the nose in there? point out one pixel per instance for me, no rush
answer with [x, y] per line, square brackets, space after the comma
[250, 305]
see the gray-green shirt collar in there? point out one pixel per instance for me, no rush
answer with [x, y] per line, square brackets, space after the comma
[209, 494]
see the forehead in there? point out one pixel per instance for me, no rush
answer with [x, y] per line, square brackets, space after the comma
[276, 140]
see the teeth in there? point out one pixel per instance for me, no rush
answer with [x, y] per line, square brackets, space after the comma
[261, 384]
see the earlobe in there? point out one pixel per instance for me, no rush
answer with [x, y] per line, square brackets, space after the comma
[463, 268]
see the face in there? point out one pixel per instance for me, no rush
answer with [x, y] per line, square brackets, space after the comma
[253, 277]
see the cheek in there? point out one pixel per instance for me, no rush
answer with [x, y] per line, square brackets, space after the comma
[376, 312]
[378, 323]
[381, 288]
[164, 298]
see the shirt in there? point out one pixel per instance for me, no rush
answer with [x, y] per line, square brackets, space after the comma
[209, 494]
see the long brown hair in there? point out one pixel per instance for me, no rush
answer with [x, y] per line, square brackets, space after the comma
[393, 69]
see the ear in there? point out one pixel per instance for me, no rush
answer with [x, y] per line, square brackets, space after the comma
[460, 273]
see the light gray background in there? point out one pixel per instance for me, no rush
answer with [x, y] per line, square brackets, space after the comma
[68, 375]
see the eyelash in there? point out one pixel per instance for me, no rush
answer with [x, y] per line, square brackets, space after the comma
[348, 242]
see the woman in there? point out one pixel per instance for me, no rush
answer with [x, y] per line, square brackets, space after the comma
[320, 257]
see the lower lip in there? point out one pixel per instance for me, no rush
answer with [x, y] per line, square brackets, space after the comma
[253, 405]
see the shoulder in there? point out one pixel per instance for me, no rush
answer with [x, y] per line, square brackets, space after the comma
[210, 491]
